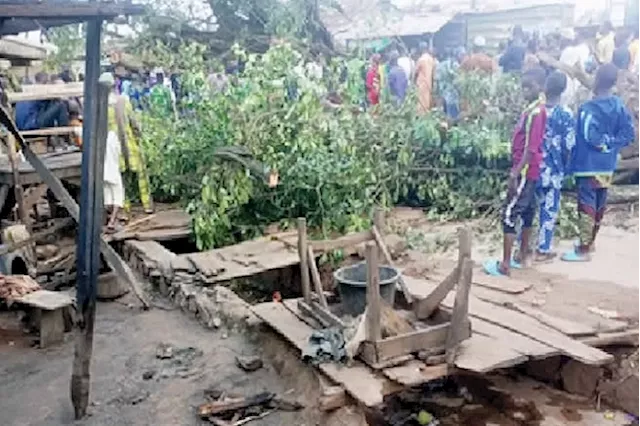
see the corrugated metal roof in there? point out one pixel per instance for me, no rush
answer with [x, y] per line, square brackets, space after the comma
[496, 26]
[370, 19]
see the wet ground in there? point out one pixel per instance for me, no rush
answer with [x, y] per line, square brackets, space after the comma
[35, 383]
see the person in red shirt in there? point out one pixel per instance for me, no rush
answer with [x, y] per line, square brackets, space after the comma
[373, 80]
[526, 157]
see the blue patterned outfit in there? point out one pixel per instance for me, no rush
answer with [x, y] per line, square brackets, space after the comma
[559, 140]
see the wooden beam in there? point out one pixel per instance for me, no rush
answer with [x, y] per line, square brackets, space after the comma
[315, 276]
[434, 337]
[458, 330]
[49, 131]
[426, 307]
[68, 10]
[47, 91]
[304, 260]
[17, 185]
[373, 329]
[348, 240]
[323, 316]
[387, 258]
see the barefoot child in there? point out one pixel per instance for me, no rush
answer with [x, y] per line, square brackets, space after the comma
[559, 140]
[526, 156]
[604, 127]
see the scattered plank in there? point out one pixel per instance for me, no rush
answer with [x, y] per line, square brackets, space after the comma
[568, 327]
[482, 354]
[627, 338]
[415, 373]
[233, 404]
[517, 342]
[332, 398]
[523, 324]
[504, 284]
[358, 380]
[318, 313]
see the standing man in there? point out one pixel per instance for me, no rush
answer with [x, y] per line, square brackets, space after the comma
[479, 60]
[513, 58]
[398, 81]
[605, 43]
[573, 55]
[446, 72]
[406, 63]
[425, 68]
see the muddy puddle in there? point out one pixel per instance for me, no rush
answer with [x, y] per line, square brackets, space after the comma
[493, 400]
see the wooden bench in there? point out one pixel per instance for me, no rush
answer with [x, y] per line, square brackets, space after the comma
[48, 314]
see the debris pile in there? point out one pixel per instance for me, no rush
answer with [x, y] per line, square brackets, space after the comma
[222, 409]
[13, 287]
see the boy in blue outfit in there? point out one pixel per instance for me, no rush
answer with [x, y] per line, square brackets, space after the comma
[559, 140]
[604, 127]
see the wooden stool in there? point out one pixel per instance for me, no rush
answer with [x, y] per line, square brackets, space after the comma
[48, 314]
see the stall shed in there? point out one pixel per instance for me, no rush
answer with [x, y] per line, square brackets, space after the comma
[496, 26]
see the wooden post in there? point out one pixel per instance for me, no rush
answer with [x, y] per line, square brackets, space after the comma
[315, 275]
[17, 186]
[464, 245]
[378, 220]
[303, 253]
[387, 258]
[460, 313]
[373, 330]
[90, 218]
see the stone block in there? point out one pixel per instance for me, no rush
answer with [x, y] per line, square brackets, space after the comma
[580, 379]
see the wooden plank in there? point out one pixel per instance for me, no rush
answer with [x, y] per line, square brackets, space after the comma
[342, 242]
[627, 338]
[51, 327]
[424, 308]
[511, 285]
[358, 380]
[332, 398]
[460, 314]
[482, 354]
[416, 373]
[49, 131]
[315, 277]
[317, 312]
[47, 91]
[568, 327]
[46, 300]
[428, 338]
[517, 342]
[373, 330]
[387, 257]
[523, 324]
[304, 259]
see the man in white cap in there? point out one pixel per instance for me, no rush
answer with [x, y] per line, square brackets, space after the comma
[479, 60]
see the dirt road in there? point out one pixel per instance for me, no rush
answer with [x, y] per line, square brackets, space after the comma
[35, 383]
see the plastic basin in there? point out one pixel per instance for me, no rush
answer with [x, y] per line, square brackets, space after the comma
[352, 286]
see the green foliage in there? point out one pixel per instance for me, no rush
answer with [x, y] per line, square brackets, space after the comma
[335, 163]
[69, 41]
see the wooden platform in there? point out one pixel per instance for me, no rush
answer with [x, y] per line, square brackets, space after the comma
[64, 165]
[504, 334]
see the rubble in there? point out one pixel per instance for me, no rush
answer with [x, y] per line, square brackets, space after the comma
[249, 363]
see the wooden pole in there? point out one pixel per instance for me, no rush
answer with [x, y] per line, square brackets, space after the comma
[17, 186]
[315, 275]
[95, 128]
[373, 330]
[303, 253]
[460, 313]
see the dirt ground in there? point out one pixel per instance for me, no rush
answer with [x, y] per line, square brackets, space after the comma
[35, 382]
